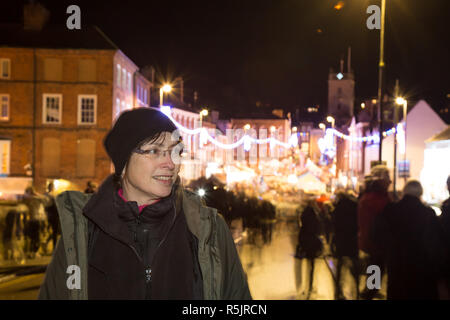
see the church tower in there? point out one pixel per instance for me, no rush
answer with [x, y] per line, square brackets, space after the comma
[341, 93]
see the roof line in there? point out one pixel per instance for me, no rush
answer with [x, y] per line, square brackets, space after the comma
[106, 37]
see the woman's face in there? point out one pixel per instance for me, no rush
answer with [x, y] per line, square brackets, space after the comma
[151, 173]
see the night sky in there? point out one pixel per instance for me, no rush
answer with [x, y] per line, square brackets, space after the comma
[236, 53]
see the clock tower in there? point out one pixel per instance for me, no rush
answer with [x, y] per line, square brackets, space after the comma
[341, 93]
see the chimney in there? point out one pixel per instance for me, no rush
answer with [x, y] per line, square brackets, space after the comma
[35, 16]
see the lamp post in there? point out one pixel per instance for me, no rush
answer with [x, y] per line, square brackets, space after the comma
[404, 103]
[331, 120]
[380, 79]
[203, 113]
[322, 126]
[164, 88]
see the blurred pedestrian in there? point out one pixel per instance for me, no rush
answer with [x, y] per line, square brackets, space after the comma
[52, 216]
[8, 234]
[345, 240]
[309, 245]
[445, 222]
[412, 240]
[370, 205]
[142, 235]
[35, 222]
[91, 187]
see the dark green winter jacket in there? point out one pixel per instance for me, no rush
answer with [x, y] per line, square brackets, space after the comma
[222, 272]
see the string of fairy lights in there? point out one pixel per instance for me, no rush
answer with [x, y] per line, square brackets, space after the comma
[247, 140]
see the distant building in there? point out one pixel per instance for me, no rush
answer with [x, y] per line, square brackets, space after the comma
[436, 167]
[60, 92]
[261, 127]
[341, 93]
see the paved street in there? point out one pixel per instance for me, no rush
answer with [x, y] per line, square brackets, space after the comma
[273, 272]
[22, 287]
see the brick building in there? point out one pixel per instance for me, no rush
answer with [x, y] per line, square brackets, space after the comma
[60, 92]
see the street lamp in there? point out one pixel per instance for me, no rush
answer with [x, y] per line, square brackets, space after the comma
[203, 113]
[380, 79]
[247, 127]
[331, 120]
[322, 126]
[165, 88]
[402, 101]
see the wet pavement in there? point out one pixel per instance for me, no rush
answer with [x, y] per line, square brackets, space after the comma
[275, 274]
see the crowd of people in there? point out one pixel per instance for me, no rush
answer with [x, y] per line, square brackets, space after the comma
[405, 239]
[30, 227]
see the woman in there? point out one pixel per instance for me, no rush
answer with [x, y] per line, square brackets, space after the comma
[142, 236]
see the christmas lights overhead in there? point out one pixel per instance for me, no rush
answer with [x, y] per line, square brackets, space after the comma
[246, 139]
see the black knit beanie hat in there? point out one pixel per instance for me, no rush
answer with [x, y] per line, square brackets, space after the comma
[133, 127]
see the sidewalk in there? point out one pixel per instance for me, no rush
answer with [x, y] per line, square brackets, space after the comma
[11, 269]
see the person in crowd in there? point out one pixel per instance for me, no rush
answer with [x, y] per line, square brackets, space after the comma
[52, 216]
[411, 237]
[35, 222]
[310, 245]
[370, 205]
[345, 240]
[91, 187]
[142, 235]
[445, 222]
[8, 234]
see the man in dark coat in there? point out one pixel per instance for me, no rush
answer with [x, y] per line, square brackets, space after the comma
[411, 238]
[445, 222]
[345, 240]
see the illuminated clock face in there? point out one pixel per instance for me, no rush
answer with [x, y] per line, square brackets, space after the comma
[339, 76]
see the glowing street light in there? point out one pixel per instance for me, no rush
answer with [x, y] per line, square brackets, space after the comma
[201, 192]
[247, 127]
[363, 105]
[331, 120]
[322, 126]
[294, 129]
[165, 88]
[203, 113]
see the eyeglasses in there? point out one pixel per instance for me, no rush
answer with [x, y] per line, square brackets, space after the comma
[155, 152]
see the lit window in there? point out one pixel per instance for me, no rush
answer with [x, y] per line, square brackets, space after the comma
[118, 74]
[87, 109]
[5, 68]
[145, 96]
[123, 106]
[124, 78]
[117, 111]
[5, 154]
[129, 81]
[4, 107]
[52, 108]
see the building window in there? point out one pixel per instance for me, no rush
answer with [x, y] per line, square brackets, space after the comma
[129, 81]
[145, 96]
[52, 108]
[53, 69]
[87, 70]
[123, 106]
[117, 110]
[87, 109]
[5, 68]
[118, 75]
[5, 154]
[124, 78]
[51, 154]
[4, 107]
[85, 158]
